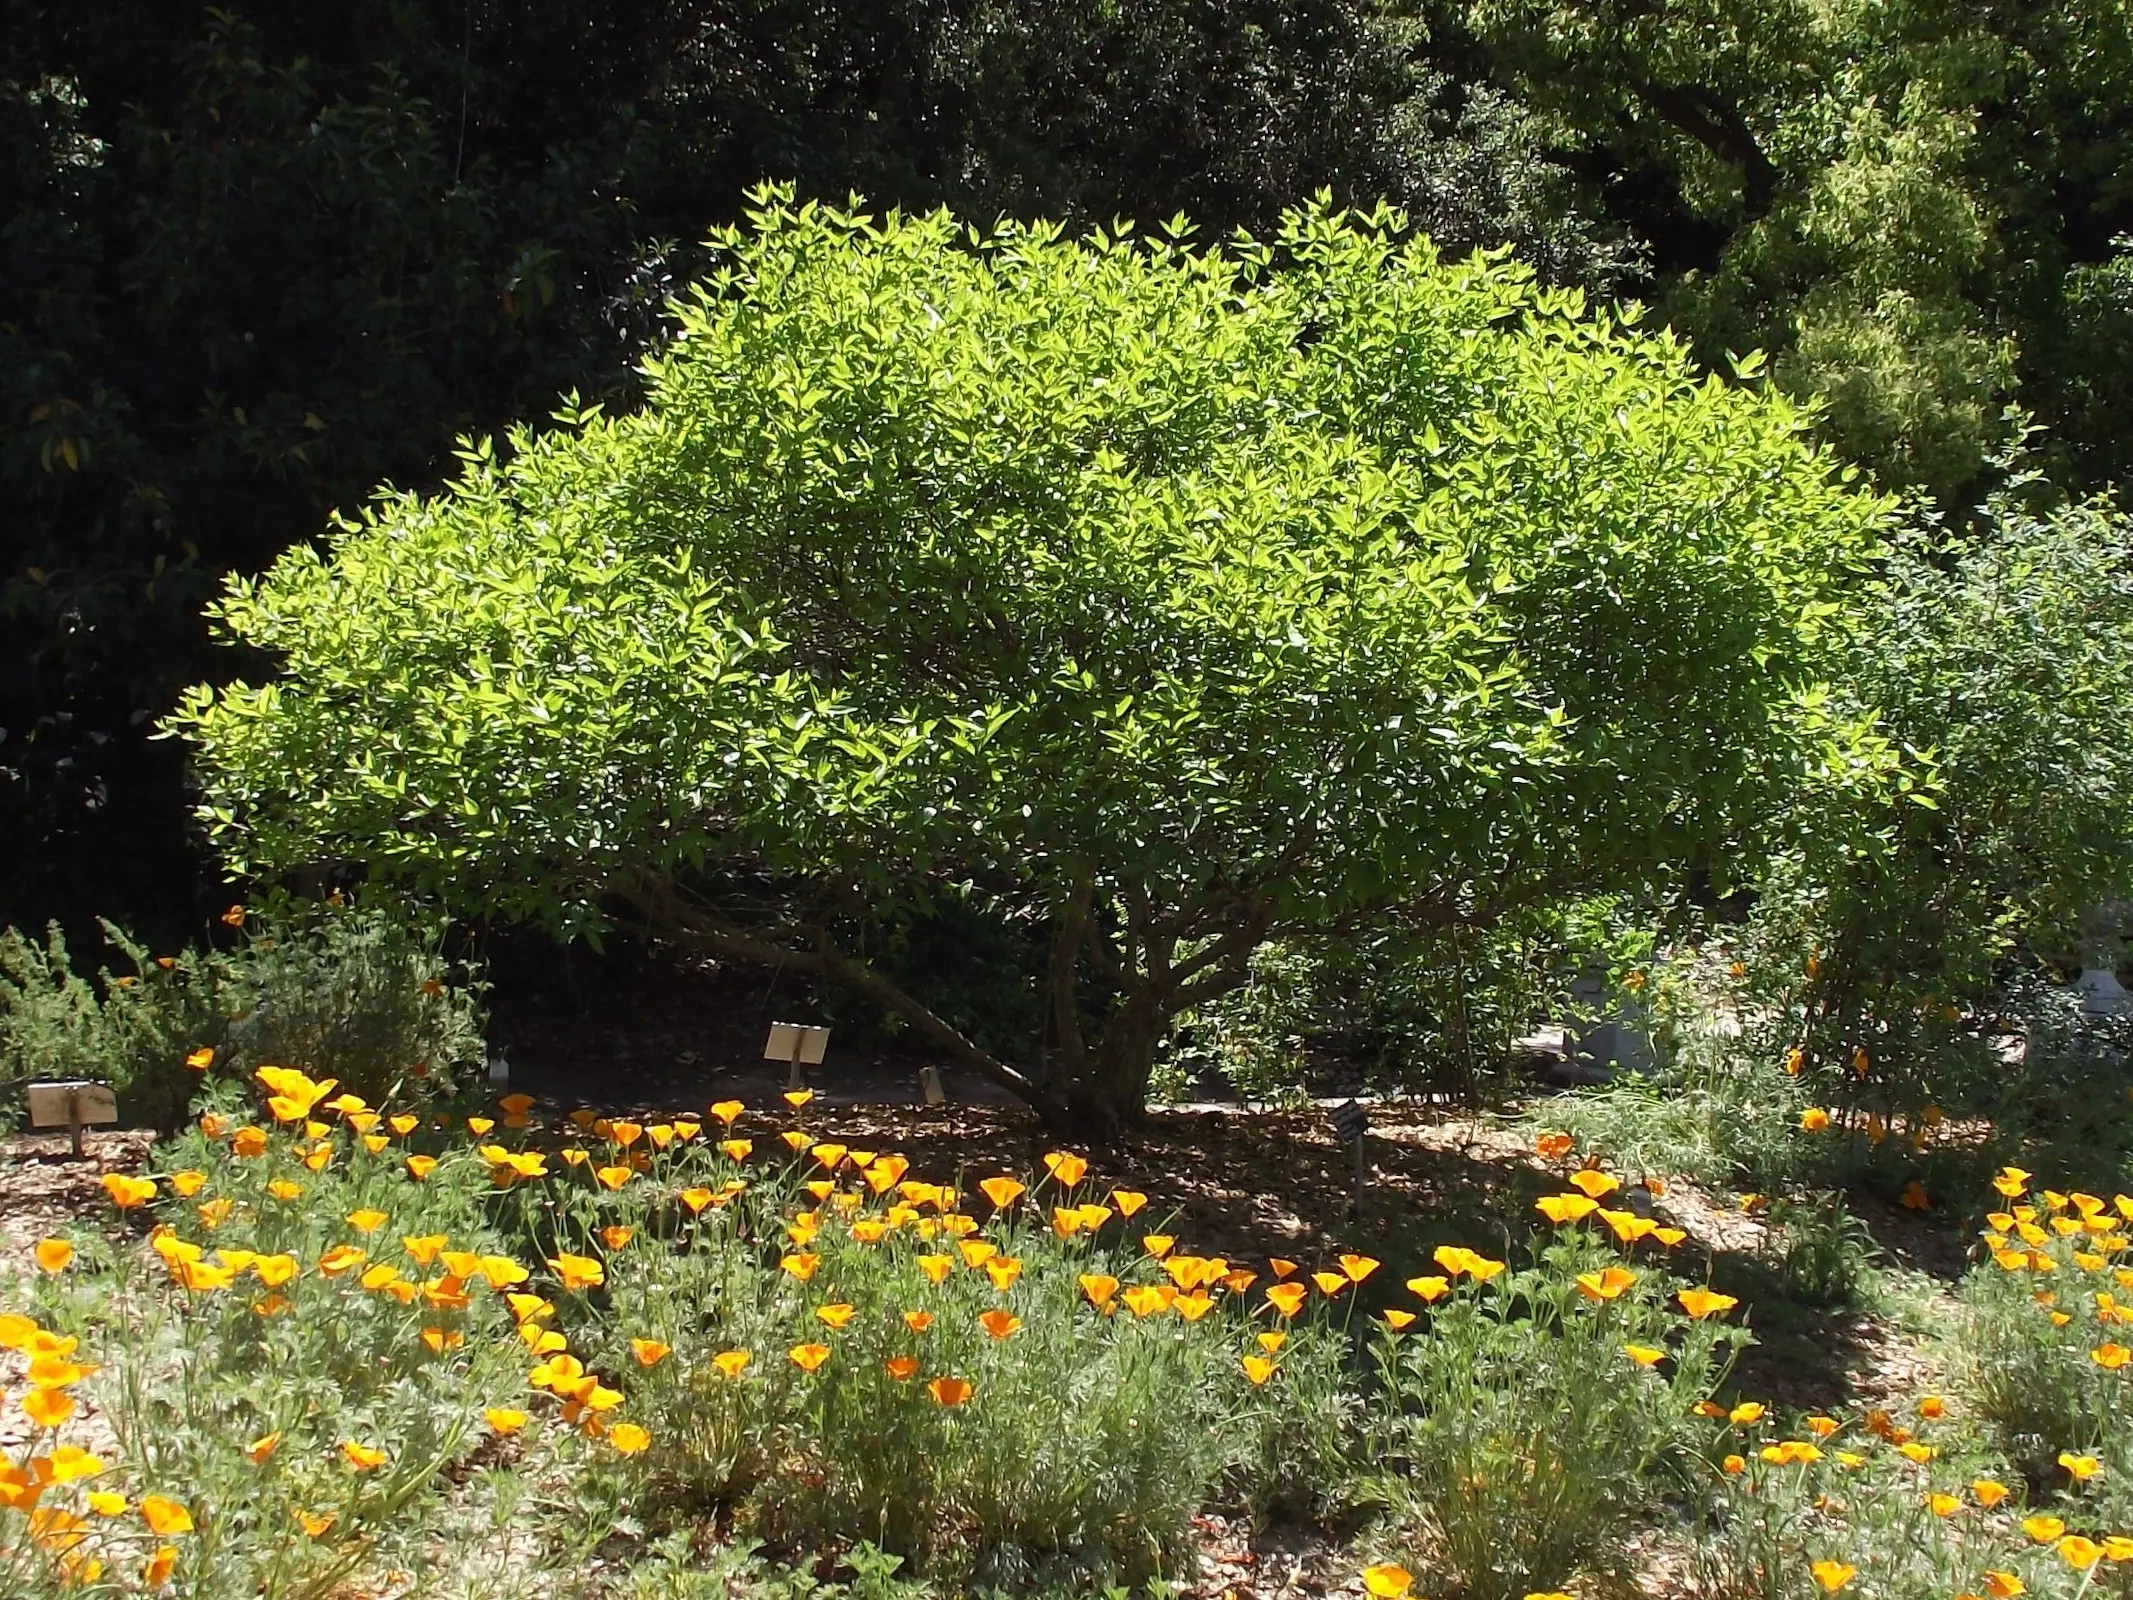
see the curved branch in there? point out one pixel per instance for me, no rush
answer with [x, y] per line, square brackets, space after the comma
[1722, 130]
[858, 975]
[665, 913]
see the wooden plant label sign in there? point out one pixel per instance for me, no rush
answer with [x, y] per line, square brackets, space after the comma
[796, 1042]
[73, 1104]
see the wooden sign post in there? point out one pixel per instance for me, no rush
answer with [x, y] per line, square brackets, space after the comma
[72, 1105]
[1352, 1123]
[798, 1045]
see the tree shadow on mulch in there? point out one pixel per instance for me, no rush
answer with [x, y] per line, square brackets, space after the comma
[658, 1032]
[637, 1029]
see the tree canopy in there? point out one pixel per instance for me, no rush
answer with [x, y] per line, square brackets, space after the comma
[255, 262]
[1174, 597]
[1919, 208]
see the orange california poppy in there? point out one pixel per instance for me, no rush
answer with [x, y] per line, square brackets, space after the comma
[1066, 1169]
[1100, 1287]
[1286, 1298]
[1701, 1303]
[1607, 1284]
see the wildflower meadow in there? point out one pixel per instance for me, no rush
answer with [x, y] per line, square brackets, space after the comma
[322, 1347]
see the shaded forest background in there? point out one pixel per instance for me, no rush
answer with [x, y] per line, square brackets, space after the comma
[255, 262]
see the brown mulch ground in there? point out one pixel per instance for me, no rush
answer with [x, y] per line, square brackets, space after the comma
[43, 1189]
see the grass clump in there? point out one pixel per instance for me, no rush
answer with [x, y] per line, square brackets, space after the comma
[2012, 1483]
[1540, 1411]
[2047, 1346]
[1002, 1382]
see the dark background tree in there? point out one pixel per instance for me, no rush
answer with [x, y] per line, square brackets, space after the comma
[1920, 208]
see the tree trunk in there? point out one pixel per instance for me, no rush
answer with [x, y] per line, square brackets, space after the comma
[1110, 1095]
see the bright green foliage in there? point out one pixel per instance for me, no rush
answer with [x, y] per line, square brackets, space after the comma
[255, 264]
[2009, 667]
[259, 258]
[1181, 599]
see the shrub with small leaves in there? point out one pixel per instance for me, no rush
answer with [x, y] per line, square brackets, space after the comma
[366, 996]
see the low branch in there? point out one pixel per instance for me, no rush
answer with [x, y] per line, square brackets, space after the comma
[858, 975]
[1242, 936]
[668, 915]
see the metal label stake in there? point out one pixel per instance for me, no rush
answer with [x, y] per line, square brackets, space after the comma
[1352, 1123]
